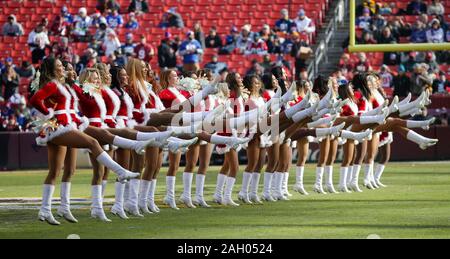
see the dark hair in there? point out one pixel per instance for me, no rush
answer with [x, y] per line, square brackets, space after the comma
[115, 82]
[47, 70]
[359, 83]
[345, 93]
[189, 73]
[267, 81]
[248, 81]
[277, 71]
[233, 84]
[66, 64]
[320, 86]
[301, 84]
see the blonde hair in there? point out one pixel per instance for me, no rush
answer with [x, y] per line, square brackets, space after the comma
[134, 70]
[164, 78]
[86, 75]
[103, 71]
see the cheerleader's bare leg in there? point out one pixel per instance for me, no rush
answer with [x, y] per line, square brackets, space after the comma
[56, 154]
[204, 161]
[302, 149]
[106, 171]
[70, 165]
[192, 156]
[253, 153]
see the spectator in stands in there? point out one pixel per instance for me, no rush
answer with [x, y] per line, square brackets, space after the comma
[284, 24]
[285, 47]
[441, 84]
[230, 41]
[199, 35]
[111, 43]
[26, 70]
[258, 46]
[299, 44]
[386, 77]
[8, 63]
[66, 16]
[416, 7]
[138, 7]
[266, 35]
[367, 38]
[245, 39]
[267, 63]
[401, 82]
[102, 31]
[390, 58]
[63, 51]
[144, 51]
[114, 19]
[436, 8]
[57, 27]
[167, 58]
[12, 27]
[10, 82]
[215, 66]
[418, 34]
[38, 41]
[346, 65]
[304, 24]
[44, 22]
[420, 79]
[190, 50]
[256, 69]
[386, 8]
[86, 60]
[213, 40]
[128, 46]
[430, 60]
[378, 23]
[365, 20]
[103, 5]
[435, 34]
[82, 23]
[132, 22]
[96, 19]
[362, 65]
[171, 19]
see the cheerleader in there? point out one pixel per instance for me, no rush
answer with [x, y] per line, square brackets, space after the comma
[400, 126]
[273, 154]
[53, 100]
[255, 150]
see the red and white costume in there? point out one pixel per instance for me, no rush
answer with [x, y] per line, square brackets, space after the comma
[140, 101]
[154, 104]
[236, 108]
[385, 137]
[112, 102]
[350, 109]
[124, 116]
[363, 104]
[173, 96]
[92, 104]
[54, 101]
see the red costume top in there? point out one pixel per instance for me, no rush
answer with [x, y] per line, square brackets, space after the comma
[112, 102]
[173, 96]
[363, 104]
[350, 109]
[125, 114]
[53, 100]
[154, 103]
[268, 95]
[92, 105]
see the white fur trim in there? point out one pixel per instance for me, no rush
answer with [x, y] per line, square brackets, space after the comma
[101, 105]
[50, 135]
[115, 99]
[84, 124]
[63, 90]
[75, 99]
[129, 103]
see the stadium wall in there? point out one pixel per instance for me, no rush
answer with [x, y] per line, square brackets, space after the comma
[19, 151]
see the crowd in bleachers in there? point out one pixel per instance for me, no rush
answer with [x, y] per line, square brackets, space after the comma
[392, 22]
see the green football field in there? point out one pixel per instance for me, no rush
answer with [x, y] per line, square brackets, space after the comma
[416, 204]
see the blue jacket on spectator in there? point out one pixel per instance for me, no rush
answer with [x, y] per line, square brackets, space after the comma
[418, 36]
[190, 49]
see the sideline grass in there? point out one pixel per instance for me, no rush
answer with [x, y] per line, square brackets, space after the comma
[416, 204]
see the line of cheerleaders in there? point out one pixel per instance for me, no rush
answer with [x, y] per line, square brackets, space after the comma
[125, 118]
